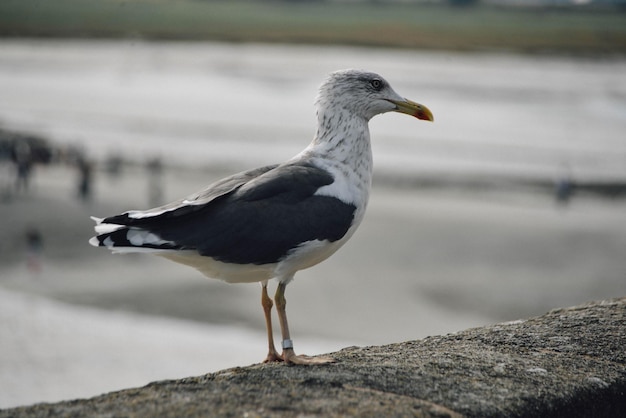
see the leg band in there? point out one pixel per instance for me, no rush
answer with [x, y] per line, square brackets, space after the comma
[287, 344]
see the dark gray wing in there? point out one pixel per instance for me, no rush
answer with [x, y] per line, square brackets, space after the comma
[190, 203]
[257, 222]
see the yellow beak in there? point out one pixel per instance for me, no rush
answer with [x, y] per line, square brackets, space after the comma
[414, 109]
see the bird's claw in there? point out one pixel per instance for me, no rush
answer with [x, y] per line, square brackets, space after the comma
[273, 357]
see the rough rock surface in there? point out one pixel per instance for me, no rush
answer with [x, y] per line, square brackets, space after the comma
[568, 363]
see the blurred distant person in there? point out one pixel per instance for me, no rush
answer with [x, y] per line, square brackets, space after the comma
[34, 250]
[563, 190]
[22, 156]
[84, 179]
[564, 186]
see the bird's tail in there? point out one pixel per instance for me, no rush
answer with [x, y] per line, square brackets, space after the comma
[125, 239]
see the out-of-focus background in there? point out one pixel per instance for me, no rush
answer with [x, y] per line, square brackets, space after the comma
[512, 203]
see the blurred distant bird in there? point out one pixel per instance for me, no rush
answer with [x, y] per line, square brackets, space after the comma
[274, 221]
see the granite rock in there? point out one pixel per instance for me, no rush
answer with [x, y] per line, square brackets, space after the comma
[567, 363]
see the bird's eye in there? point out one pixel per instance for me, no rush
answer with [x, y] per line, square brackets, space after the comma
[376, 83]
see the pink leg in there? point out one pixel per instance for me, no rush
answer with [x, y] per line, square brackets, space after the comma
[289, 356]
[266, 302]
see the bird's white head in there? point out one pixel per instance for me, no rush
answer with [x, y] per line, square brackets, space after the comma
[365, 94]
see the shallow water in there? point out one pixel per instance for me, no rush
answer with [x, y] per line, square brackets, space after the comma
[247, 104]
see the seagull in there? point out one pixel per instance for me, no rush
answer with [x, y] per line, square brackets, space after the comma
[271, 222]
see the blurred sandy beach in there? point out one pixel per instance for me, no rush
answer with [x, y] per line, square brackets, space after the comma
[423, 263]
[426, 261]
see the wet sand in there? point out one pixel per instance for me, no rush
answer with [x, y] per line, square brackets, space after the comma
[476, 257]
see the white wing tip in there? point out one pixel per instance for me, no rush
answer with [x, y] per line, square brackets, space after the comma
[107, 228]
